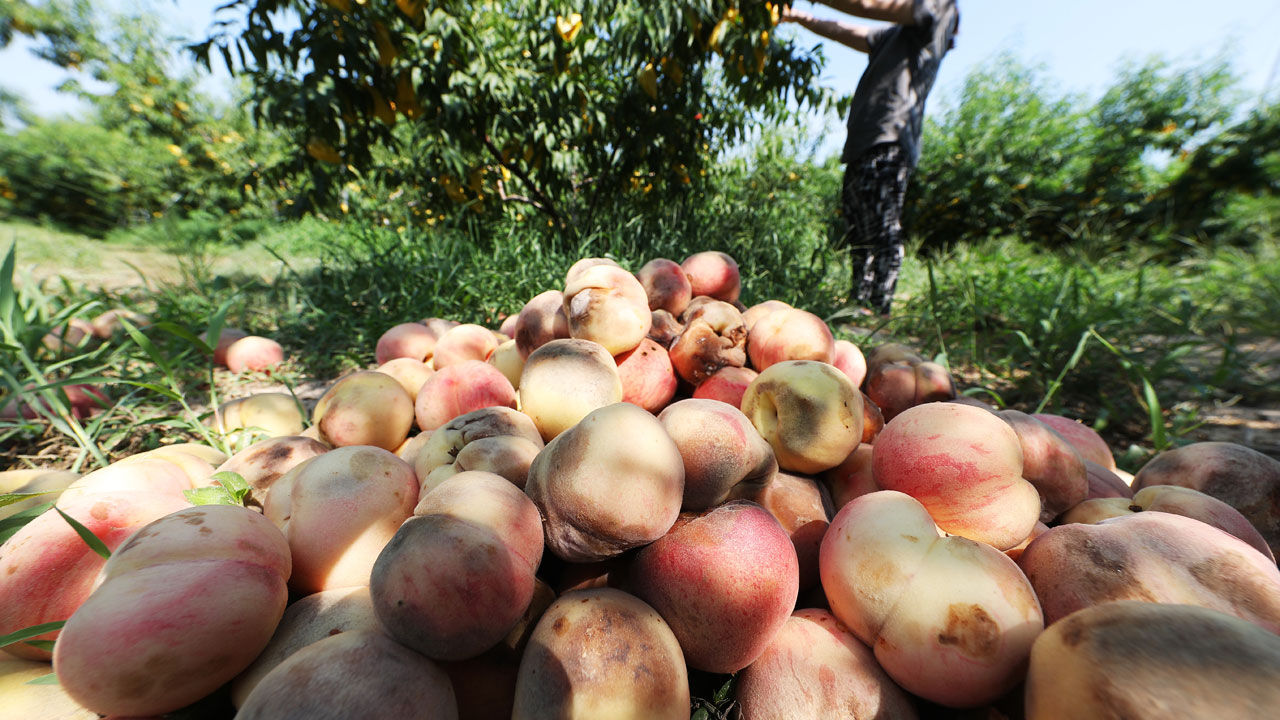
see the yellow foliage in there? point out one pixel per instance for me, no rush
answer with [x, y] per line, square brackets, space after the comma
[568, 27]
[648, 78]
[323, 151]
[717, 35]
[387, 52]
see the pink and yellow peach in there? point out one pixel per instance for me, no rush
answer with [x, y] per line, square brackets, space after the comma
[459, 389]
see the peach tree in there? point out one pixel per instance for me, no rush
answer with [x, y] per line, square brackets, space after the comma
[510, 106]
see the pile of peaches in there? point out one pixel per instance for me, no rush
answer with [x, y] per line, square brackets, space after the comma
[635, 479]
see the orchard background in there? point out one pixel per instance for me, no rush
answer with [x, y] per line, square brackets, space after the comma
[1112, 259]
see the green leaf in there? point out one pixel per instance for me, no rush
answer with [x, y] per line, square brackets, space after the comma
[213, 495]
[147, 346]
[11, 498]
[6, 285]
[46, 645]
[50, 679]
[93, 541]
[15, 522]
[27, 633]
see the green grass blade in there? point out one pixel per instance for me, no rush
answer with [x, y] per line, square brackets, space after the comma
[7, 300]
[93, 541]
[27, 633]
[11, 498]
[148, 347]
[15, 522]
[50, 679]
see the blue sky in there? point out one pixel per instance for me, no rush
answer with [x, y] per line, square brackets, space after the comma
[1081, 43]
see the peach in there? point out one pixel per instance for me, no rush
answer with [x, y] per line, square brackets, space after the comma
[647, 378]
[463, 343]
[949, 619]
[507, 325]
[610, 483]
[808, 411]
[728, 385]
[338, 510]
[759, 310]
[564, 380]
[36, 480]
[1049, 463]
[460, 389]
[69, 337]
[890, 354]
[1154, 557]
[1104, 483]
[1082, 437]
[459, 574]
[410, 340]
[24, 700]
[725, 582]
[587, 263]
[607, 305]
[509, 361]
[816, 668]
[665, 328]
[802, 507]
[254, 353]
[892, 387]
[583, 657]
[352, 674]
[83, 400]
[411, 373]
[1016, 551]
[852, 478]
[364, 408]
[269, 414]
[496, 439]
[965, 466]
[310, 619]
[408, 450]
[1150, 662]
[183, 606]
[110, 322]
[666, 285]
[263, 462]
[714, 274]
[721, 451]
[789, 335]
[540, 321]
[1239, 476]
[1178, 501]
[226, 337]
[872, 419]
[848, 358]
[713, 338]
[47, 571]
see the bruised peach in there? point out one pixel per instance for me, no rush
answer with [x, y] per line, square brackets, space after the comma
[789, 335]
[803, 508]
[263, 462]
[713, 338]
[463, 343]
[722, 453]
[949, 619]
[183, 606]
[648, 380]
[610, 483]
[582, 660]
[459, 575]
[1150, 662]
[1154, 557]
[406, 340]
[965, 465]
[564, 380]
[352, 674]
[1104, 483]
[808, 411]
[728, 385]
[1239, 476]
[496, 439]
[1049, 463]
[666, 285]
[665, 328]
[459, 389]
[725, 582]
[409, 372]
[607, 305]
[816, 668]
[364, 408]
[1082, 437]
[540, 321]
[713, 273]
[338, 510]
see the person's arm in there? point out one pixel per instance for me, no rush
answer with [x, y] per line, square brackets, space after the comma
[854, 36]
[901, 12]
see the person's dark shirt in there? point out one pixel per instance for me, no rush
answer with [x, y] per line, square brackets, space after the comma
[888, 105]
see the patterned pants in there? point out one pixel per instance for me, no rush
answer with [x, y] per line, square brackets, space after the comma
[875, 186]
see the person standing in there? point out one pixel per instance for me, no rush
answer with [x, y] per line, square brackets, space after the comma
[885, 124]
